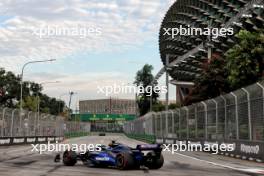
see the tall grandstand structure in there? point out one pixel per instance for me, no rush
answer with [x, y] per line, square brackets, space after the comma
[183, 56]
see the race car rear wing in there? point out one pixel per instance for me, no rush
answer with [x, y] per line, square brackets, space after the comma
[144, 147]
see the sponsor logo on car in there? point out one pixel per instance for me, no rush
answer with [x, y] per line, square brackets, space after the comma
[102, 158]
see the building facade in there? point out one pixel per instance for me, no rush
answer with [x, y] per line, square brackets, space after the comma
[108, 106]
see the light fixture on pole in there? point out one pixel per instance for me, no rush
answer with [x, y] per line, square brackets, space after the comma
[21, 82]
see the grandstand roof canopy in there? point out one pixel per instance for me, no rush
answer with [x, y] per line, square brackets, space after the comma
[186, 54]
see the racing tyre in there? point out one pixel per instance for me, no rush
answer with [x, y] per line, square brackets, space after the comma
[124, 161]
[69, 158]
[154, 162]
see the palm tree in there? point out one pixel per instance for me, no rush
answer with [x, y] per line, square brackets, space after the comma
[144, 79]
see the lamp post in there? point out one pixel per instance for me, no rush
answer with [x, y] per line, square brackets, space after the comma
[61, 99]
[71, 93]
[21, 82]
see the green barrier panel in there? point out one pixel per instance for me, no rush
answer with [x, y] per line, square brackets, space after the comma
[143, 137]
[104, 117]
[76, 134]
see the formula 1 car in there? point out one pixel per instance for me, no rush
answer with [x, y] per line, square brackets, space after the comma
[118, 156]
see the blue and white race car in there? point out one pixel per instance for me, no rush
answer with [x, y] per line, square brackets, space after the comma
[119, 156]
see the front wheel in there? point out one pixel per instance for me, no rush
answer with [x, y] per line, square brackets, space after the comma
[153, 161]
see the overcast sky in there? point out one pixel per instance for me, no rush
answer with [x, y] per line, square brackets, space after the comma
[127, 39]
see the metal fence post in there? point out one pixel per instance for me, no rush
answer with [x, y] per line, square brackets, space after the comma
[172, 121]
[161, 131]
[249, 114]
[55, 132]
[205, 108]
[20, 120]
[12, 123]
[262, 87]
[28, 121]
[35, 124]
[38, 125]
[154, 124]
[225, 136]
[179, 123]
[3, 122]
[187, 121]
[166, 124]
[237, 127]
[41, 133]
[216, 117]
[196, 123]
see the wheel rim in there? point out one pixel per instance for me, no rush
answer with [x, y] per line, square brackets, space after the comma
[120, 161]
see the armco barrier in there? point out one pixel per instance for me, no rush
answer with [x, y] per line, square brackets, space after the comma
[242, 149]
[5, 141]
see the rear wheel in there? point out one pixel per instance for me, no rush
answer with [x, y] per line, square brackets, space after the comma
[153, 161]
[69, 158]
[124, 161]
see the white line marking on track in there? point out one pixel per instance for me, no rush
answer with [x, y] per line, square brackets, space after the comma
[248, 170]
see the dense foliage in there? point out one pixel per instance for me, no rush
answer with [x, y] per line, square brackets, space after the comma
[240, 66]
[211, 83]
[144, 78]
[245, 59]
[10, 95]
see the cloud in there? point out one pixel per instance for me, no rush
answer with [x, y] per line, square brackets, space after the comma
[124, 23]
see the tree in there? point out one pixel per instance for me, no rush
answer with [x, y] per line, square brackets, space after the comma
[30, 103]
[241, 65]
[145, 78]
[10, 89]
[10, 95]
[51, 105]
[157, 107]
[211, 83]
[245, 59]
[174, 106]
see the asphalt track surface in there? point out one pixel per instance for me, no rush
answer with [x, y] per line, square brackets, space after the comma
[20, 161]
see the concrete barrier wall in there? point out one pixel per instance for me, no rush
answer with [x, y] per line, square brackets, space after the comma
[5, 141]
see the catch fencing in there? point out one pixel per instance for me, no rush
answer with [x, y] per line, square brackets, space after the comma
[28, 123]
[237, 117]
